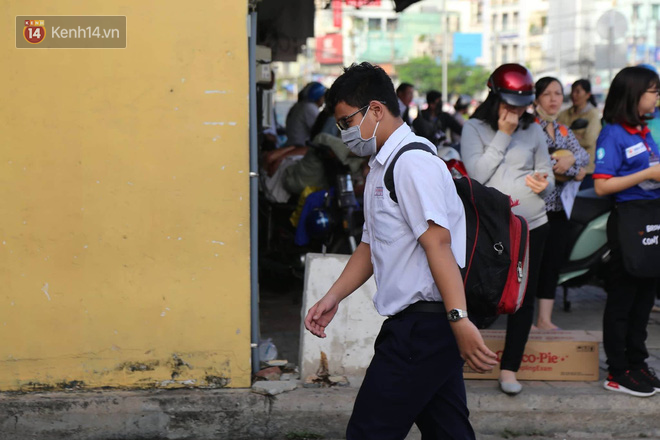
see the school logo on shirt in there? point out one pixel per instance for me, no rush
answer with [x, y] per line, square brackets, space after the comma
[634, 150]
[600, 153]
[379, 192]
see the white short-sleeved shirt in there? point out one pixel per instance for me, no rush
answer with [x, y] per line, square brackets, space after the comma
[425, 191]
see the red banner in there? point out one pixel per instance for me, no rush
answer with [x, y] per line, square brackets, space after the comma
[336, 13]
[329, 49]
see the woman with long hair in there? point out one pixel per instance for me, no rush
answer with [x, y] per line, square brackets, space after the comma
[585, 108]
[569, 160]
[503, 148]
[627, 160]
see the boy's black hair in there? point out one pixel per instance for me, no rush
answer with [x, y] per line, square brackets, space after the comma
[543, 84]
[432, 96]
[586, 86]
[628, 86]
[489, 112]
[359, 85]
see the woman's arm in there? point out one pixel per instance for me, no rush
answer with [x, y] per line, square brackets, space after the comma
[482, 160]
[580, 154]
[542, 161]
[617, 184]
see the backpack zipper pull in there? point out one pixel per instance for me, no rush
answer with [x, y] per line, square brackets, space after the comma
[520, 272]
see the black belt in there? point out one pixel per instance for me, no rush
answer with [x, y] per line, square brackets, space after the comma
[424, 306]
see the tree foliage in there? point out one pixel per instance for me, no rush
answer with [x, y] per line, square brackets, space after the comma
[426, 75]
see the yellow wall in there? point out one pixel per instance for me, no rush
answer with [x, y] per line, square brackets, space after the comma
[124, 201]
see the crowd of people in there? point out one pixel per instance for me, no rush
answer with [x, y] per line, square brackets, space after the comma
[521, 142]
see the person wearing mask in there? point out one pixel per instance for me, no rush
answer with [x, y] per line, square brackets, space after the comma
[569, 160]
[503, 148]
[404, 94]
[584, 107]
[432, 123]
[414, 250]
[627, 167]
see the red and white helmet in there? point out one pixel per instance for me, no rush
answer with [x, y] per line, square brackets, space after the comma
[513, 83]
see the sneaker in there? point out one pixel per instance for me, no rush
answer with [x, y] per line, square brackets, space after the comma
[648, 375]
[627, 383]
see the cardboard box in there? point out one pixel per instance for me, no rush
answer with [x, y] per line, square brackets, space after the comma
[549, 355]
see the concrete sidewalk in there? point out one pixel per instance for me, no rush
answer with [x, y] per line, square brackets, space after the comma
[565, 409]
[544, 410]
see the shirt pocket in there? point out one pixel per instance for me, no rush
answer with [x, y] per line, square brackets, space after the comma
[389, 225]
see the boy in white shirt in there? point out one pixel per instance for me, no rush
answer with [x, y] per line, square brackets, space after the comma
[414, 249]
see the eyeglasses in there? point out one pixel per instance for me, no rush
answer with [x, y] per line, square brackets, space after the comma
[342, 123]
[656, 91]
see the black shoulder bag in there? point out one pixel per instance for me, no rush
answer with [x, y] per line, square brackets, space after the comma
[639, 237]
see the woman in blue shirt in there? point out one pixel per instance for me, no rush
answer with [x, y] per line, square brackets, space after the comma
[627, 167]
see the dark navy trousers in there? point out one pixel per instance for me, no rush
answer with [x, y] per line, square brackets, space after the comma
[416, 377]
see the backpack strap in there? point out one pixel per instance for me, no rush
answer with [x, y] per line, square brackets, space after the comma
[389, 173]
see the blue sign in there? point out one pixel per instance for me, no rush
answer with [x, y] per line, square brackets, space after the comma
[468, 47]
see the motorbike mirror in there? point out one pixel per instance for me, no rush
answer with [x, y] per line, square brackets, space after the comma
[579, 123]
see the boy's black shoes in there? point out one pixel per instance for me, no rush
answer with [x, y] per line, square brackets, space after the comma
[630, 383]
[647, 375]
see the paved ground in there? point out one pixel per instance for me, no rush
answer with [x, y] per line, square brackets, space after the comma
[281, 316]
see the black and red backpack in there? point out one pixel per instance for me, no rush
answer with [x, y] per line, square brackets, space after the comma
[497, 245]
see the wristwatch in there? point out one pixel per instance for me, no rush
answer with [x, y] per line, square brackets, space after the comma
[455, 314]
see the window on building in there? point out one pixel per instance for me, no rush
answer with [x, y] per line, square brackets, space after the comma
[515, 19]
[505, 21]
[514, 55]
[655, 12]
[635, 11]
[374, 24]
[505, 54]
[493, 24]
[392, 24]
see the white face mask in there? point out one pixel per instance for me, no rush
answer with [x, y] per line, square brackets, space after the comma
[354, 141]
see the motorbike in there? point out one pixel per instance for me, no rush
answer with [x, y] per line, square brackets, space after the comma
[330, 220]
[589, 253]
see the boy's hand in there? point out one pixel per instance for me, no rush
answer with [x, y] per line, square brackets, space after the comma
[472, 347]
[320, 315]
